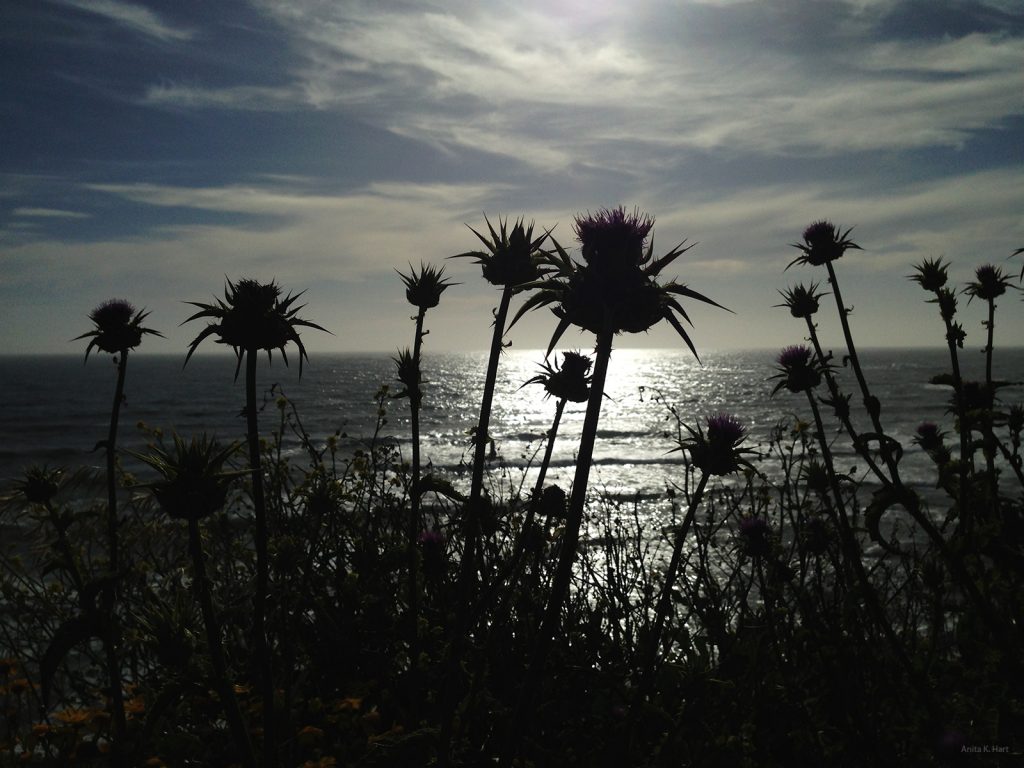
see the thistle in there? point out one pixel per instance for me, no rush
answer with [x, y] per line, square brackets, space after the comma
[930, 274]
[717, 452]
[512, 258]
[614, 291]
[569, 382]
[797, 371]
[989, 284]
[253, 317]
[802, 301]
[118, 329]
[194, 485]
[423, 290]
[511, 261]
[823, 243]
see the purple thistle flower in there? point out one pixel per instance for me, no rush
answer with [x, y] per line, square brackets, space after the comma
[796, 356]
[822, 242]
[725, 430]
[613, 238]
[718, 452]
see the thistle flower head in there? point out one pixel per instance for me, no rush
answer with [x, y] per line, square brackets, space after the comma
[194, 483]
[801, 300]
[252, 316]
[797, 370]
[822, 242]
[616, 289]
[989, 284]
[512, 258]
[755, 534]
[946, 300]
[408, 372]
[569, 382]
[612, 237]
[423, 289]
[717, 451]
[40, 484]
[930, 274]
[929, 436]
[118, 327]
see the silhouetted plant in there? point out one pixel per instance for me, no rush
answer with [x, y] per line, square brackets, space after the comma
[614, 291]
[717, 453]
[193, 486]
[423, 290]
[253, 317]
[511, 260]
[118, 329]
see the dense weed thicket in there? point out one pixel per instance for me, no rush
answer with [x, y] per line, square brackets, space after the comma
[230, 605]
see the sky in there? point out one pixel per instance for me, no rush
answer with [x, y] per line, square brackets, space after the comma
[150, 150]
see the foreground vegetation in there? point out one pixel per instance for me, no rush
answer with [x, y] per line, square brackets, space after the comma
[232, 606]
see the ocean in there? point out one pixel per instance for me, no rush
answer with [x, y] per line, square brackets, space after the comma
[55, 409]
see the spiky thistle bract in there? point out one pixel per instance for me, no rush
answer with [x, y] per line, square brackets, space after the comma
[931, 274]
[253, 316]
[990, 282]
[567, 382]
[513, 258]
[717, 451]
[118, 327]
[823, 242]
[616, 289]
[194, 483]
[802, 301]
[423, 289]
[798, 370]
[40, 484]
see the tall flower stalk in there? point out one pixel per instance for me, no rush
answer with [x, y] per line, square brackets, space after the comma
[989, 284]
[253, 317]
[615, 290]
[932, 275]
[512, 260]
[715, 453]
[423, 290]
[117, 329]
[193, 486]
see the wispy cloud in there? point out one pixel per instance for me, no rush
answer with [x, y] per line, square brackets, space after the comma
[132, 16]
[536, 86]
[49, 213]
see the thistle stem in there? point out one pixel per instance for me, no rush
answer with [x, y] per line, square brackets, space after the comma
[871, 403]
[113, 632]
[665, 598]
[570, 534]
[213, 642]
[472, 517]
[261, 654]
[414, 506]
